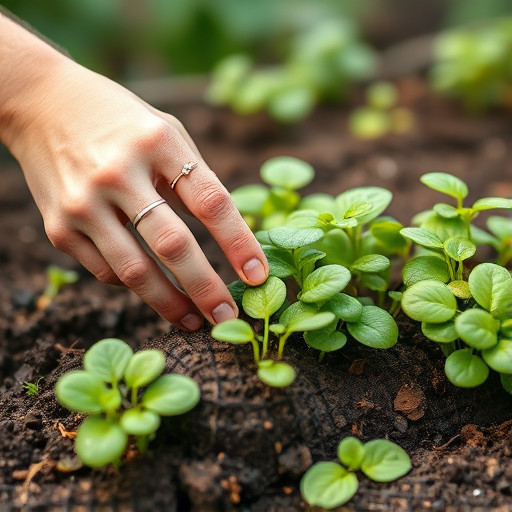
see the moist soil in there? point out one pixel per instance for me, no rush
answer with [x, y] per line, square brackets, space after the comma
[245, 446]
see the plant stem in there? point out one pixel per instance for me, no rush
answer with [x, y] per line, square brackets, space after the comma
[282, 341]
[142, 443]
[321, 356]
[256, 350]
[135, 391]
[265, 337]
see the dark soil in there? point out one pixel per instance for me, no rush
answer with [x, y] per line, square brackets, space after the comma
[246, 446]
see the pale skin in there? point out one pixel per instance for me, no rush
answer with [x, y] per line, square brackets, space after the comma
[94, 155]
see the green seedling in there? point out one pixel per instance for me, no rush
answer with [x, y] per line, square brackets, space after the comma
[323, 64]
[330, 484]
[32, 388]
[57, 277]
[381, 115]
[123, 395]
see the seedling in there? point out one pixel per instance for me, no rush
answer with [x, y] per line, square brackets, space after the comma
[57, 277]
[124, 396]
[330, 484]
[32, 388]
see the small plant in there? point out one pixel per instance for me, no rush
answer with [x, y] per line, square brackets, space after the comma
[330, 484]
[381, 115]
[32, 388]
[124, 396]
[57, 277]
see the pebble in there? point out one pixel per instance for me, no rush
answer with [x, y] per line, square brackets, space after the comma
[33, 421]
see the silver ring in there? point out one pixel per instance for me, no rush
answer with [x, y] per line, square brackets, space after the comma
[187, 169]
[143, 212]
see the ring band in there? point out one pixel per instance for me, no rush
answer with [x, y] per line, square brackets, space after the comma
[143, 212]
[187, 169]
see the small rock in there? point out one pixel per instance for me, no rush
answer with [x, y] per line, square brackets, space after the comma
[23, 298]
[34, 421]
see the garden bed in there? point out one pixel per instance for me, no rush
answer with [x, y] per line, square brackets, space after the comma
[246, 446]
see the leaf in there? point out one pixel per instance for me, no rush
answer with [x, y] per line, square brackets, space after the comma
[446, 183]
[465, 370]
[234, 331]
[459, 248]
[85, 392]
[324, 282]
[422, 237]
[264, 300]
[375, 328]
[358, 210]
[321, 203]
[440, 333]
[139, 422]
[387, 233]
[250, 199]
[337, 248]
[499, 357]
[351, 452]
[491, 287]
[477, 328]
[500, 226]
[307, 257]
[371, 263]
[379, 199]
[460, 289]
[287, 172]
[108, 359]
[429, 301]
[144, 367]
[326, 340]
[275, 373]
[100, 441]
[506, 382]
[328, 485]
[280, 202]
[384, 461]
[446, 210]
[374, 282]
[422, 268]
[171, 395]
[490, 203]
[299, 317]
[237, 289]
[280, 261]
[303, 219]
[293, 238]
[345, 307]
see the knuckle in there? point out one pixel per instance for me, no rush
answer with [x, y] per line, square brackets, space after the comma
[111, 172]
[172, 245]
[133, 273]
[57, 234]
[155, 134]
[240, 244]
[213, 202]
[201, 289]
[106, 275]
[78, 207]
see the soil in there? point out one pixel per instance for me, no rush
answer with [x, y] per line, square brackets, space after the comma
[245, 447]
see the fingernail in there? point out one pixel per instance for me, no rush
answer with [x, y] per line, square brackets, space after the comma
[254, 271]
[223, 312]
[192, 321]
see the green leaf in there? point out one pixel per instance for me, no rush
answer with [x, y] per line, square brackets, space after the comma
[264, 300]
[506, 382]
[384, 461]
[275, 373]
[371, 263]
[326, 340]
[460, 289]
[306, 257]
[444, 228]
[293, 238]
[499, 357]
[506, 328]
[465, 370]
[324, 282]
[459, 248]
[422, 268]
[100, 441]
[429, 301]
[321, 203]
[477, 328]
[422, 237]
[108, 359]
[328, 485]
[375, 328]
[374, 282]
[237, 289]
[345, 307]
[491, 287]
[287, 172]
[139, 422]
[351, 452]
[250, 199]
[303, 219]
[144, 367]
[234, 331]
[387, 233]
[85, 392]
[379, 199]
[337, 247]
[280, 262]
[280, 201]
[446, 210]
[358, 210]
[440, 333]
[500, 226]
[446, 183]
[171, 395]
[299, 317]
[490, 203]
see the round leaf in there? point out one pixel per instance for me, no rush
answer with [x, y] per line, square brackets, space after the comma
[280, 262]
[325, 340]
[446, 210]
[379, 199]
[100, 441]
[171, 395]
[459, 248]
[499, 357]
[264, 300]
[375, 328]
[440, 333]
[490, 203]
[234, 331]
[429, 301]
[250, 199]
[387, 232]
[371, 263]
[287, 172]
[144, 367]
[425, 267]
[422, 237]
[299, 317]
[328, 485]
[275, 373]
[345, 307]
[446, 183]
[506, 382]
[292, 238]
[384, 461]
[465, 370]
[460, 289]
[321, 203]
[108, 359]
[491, 287]
[351, 452]
[324, 282]
[477, 328]
[139, 422]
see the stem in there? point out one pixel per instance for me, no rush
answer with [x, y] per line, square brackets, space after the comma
[142, 443]
[381, 297]
[265, 337]
[321, 356]
[450, 267]
[460, 271]
[135, 391]
[282, 341]
[256, 350]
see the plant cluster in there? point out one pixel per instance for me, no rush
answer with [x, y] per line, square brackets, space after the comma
[329, 250]
[330, 484]
[124, 396]
[468, 311]
[473, 64]
[322, 64]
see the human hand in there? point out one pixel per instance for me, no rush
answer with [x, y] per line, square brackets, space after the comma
[94, 156]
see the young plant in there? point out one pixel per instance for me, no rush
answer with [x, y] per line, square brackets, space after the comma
[32, 388]
[124, 396]
[57, 277]
[330, 484]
